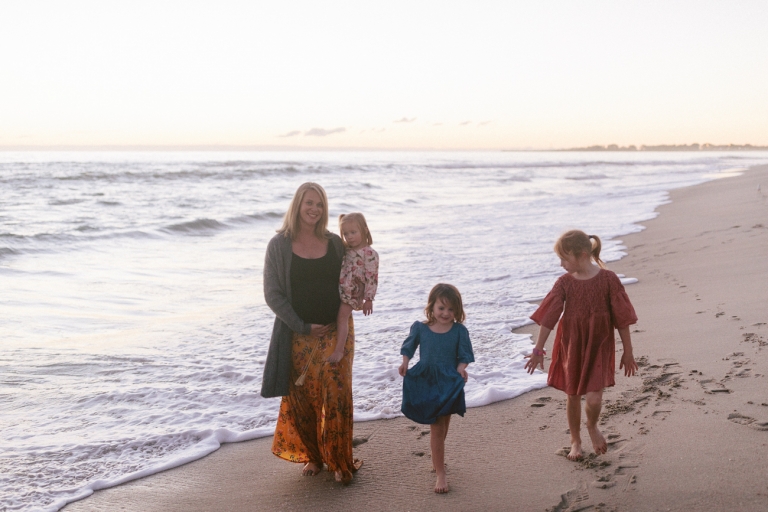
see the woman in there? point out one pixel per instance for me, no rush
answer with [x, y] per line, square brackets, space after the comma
[301, 286]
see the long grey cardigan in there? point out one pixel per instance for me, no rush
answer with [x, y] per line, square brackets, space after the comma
[277, 293]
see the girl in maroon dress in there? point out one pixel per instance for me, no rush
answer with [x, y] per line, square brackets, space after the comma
[593, 303]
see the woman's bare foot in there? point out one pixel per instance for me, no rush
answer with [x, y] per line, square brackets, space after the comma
[339, 477]
[441, 486]
[598, 441]
[311, 469]
[575, 453]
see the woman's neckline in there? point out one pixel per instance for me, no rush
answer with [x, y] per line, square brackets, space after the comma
[587, 279]
[311, 259]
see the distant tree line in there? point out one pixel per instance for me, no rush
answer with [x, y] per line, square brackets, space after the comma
[673, 147]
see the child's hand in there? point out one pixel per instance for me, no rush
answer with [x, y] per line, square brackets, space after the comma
[403, 368]
[367, 307]
[533, 362]
[336, 356]
[463, 372]
[628, 363]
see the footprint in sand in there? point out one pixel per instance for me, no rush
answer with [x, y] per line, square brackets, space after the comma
[575, 499]
[711, 387]
[748, 421]
[754, 338]
[618, 471]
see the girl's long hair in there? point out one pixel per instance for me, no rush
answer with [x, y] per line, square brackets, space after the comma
[292, 221]
[360, 219]
[450, 295]
[575, 242]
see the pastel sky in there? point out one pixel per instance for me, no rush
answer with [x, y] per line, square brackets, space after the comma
[357, 74]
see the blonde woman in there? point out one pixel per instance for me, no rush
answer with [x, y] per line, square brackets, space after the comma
[301, 286]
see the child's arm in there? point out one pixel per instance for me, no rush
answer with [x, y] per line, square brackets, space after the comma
[537, 357]
[404, 367]
[627, 358]
[462, 369]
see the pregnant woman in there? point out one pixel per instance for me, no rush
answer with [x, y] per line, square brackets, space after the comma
[301, 286]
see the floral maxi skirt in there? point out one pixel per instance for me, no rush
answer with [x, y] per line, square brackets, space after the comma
[315, 419]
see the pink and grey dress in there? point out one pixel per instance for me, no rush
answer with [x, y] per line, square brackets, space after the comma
[359, 276]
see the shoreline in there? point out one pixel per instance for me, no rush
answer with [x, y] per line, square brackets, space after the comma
[701, 254]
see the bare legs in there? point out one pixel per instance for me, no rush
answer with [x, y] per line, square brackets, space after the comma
[594, 403]
[592, 408]
[342, 330]
[437, 434]
[573, 409]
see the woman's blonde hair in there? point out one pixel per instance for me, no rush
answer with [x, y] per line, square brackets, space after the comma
[355, 217]
[292, 221]
[448, 294]
[575, 242]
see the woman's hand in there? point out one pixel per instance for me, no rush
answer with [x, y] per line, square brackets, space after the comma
[533, 362]
[336, 356]
[462, 369]
[319, 330]
[367, 307]
[628, 363]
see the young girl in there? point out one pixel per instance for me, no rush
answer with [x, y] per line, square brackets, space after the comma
[434, 388]
[359, 276]
[593, 302]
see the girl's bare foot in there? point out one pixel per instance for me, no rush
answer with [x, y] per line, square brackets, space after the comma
[337, 476]
[575, 453]
[598, 441]
[441, 486]
[311, 469]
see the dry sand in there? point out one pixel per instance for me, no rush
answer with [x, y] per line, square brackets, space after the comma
[690, 432]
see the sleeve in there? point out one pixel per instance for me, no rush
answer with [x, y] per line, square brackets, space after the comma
[551, 307]
[411, 342]
[371, 268]
[345, 281]
[275, 295]
[622, 312]
[465, 355]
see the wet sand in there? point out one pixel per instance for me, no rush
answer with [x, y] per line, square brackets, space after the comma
[689, 432]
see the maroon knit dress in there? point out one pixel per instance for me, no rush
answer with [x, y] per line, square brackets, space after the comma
[583, 358]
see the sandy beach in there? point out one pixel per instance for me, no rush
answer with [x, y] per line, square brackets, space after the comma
[690, 432]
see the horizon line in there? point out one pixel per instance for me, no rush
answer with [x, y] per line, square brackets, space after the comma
[264, 147]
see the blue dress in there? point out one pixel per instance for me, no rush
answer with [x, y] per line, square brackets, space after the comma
[433, 387]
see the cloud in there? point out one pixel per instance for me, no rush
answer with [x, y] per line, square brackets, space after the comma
[465, 123]
[405, 120]
[484, 123]
[437, 124]
[322, 132]
[290, 134]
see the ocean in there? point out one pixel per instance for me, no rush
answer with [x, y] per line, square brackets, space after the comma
[132, 319]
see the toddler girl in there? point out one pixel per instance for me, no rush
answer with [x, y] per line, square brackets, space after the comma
[593, 302]
[359, 276]
[434, 388]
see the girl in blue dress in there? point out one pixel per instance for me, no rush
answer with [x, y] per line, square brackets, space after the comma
[434, 388]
